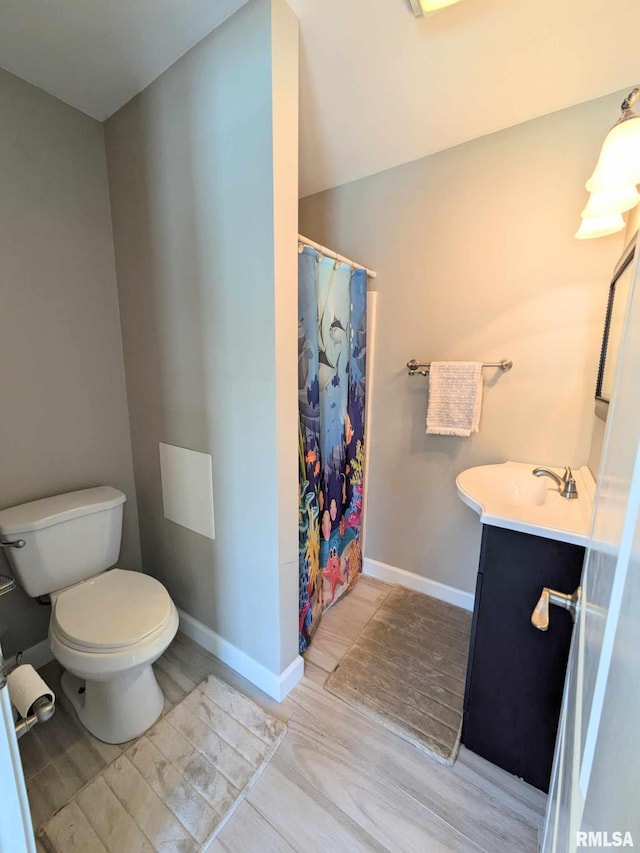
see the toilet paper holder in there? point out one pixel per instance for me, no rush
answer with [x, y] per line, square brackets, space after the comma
[43, 710]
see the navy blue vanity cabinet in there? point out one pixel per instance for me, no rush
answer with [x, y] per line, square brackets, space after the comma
[515, 675]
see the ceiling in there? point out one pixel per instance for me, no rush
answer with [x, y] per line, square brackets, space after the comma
[378, 86]
[97, 54]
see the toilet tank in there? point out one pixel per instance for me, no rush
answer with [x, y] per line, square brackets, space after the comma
[68, 538]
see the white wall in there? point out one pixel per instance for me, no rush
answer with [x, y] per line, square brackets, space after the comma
[64, 422]
[208, 308]
[476, 258]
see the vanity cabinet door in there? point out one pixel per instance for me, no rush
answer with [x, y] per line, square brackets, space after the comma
[516, 673]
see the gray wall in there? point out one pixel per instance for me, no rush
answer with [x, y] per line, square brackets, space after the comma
[476, 258]
[196, 226]
[64, 422]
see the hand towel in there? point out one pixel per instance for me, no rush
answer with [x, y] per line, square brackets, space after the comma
[455, 397]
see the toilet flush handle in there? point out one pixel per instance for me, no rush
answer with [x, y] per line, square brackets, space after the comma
[17, 543]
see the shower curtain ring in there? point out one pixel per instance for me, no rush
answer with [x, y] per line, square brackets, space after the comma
[336, 265]
[319, 258]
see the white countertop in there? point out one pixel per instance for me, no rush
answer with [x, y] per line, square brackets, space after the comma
[509, 495]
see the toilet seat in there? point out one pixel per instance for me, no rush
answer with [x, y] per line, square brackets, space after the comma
[107, 632]
[112, 612]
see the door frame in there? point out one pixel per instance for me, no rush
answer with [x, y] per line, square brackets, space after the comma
[16, 828]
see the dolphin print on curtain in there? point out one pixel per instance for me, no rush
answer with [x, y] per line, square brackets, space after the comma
[332, 325]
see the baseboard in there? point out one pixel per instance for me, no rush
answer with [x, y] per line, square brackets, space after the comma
[276, 686]
[36, 655]
[391, 574]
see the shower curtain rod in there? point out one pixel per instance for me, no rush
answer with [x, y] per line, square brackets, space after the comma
[329, 253]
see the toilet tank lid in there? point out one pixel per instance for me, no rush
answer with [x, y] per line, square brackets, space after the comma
[48, 511]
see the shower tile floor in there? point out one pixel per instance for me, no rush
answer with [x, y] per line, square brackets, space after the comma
[338, 782]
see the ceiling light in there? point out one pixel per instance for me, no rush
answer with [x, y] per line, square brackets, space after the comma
[600, 226]
[426, 7]
[619, 162]
[614, 200]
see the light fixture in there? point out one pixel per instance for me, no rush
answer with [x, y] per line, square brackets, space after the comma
[619, 162]
[613, 182]
[420, 8]
[613, 200]
[600, 226]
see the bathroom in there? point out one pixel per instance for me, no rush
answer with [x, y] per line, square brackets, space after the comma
[149, 280]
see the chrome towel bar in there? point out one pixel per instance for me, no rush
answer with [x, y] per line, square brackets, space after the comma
[422, 367]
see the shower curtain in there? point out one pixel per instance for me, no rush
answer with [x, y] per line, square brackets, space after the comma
[332, 327]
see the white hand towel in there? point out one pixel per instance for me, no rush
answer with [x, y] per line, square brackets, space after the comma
[455, 397]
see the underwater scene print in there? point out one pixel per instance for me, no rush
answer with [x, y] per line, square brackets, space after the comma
[332, 326]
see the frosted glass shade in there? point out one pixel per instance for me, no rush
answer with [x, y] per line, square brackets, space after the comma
[619, 163]
[600, 226]
[429, 6]
[613, 200]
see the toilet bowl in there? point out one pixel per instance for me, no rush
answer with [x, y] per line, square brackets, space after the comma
[106, 633]
[108, 625]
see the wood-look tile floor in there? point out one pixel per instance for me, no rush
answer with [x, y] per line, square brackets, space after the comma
[338, 782]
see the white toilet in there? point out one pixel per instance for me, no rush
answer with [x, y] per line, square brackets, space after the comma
[107, 627]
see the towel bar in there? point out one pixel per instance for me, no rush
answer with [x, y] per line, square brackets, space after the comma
[422, 367]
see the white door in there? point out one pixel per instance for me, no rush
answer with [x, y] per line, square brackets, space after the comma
[16, 833]
[594, 800]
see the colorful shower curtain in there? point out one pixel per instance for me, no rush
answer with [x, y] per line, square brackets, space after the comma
[332, 325]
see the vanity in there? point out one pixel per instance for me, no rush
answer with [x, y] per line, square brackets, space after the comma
[532, 538]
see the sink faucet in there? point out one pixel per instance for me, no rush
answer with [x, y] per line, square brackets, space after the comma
[566, 484]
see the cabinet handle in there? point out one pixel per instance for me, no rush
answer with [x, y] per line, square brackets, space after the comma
[540, 615]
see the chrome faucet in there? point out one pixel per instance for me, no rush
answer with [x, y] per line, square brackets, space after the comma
[566, 484]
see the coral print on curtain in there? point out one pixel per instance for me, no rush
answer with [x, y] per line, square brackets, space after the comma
[332, 325]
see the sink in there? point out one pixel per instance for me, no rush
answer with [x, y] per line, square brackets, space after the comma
[509, 495]
[509, 483]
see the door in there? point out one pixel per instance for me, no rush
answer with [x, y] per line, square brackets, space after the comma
[593, 802]
[16, 833]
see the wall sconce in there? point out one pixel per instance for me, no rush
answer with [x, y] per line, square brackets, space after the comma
[613, 182]
[600, 226]
[420, 8]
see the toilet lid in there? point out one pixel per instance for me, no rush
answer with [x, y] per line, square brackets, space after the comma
[113, 610]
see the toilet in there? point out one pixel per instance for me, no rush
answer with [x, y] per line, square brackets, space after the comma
[108, 625]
